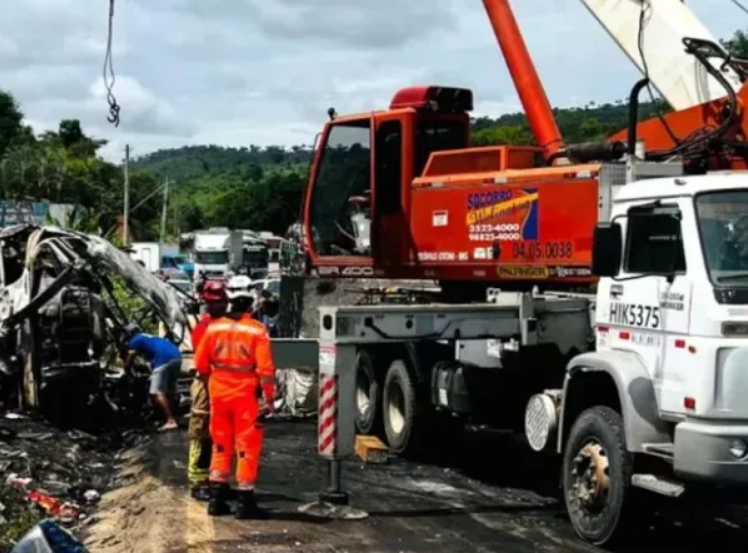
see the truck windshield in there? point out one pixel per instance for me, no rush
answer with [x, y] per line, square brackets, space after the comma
[343, 175]
[723, 225]
[215, 257]
[256, 259]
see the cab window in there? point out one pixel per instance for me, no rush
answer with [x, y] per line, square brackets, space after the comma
[389, 167]
[434, 135]
[342, 190]
[654, 242]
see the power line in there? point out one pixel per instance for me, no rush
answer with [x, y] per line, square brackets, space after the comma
[740, 5]
[158, 190]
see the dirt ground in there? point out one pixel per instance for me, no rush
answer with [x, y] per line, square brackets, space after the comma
[488, 498]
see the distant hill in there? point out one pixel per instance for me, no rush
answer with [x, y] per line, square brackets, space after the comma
[591, 122]
[189, 162]
[261, 187]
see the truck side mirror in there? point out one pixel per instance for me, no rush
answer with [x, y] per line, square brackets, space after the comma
[607, 247]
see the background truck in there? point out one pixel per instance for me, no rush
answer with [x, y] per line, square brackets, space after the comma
[154, 255]
[217, 251]
[638, 387]
[256, 255]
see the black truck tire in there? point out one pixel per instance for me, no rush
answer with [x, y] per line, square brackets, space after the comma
[400, 407]
[597, 439]
[368, 396]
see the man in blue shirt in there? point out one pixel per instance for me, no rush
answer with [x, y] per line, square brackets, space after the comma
[165, 361]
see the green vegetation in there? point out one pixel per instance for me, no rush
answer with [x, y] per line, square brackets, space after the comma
[250, 187]
[63, 167]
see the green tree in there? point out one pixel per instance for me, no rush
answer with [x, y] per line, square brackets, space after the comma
[737, 45]
[11, 122]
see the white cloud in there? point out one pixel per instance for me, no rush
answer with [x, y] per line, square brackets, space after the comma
[238, 72]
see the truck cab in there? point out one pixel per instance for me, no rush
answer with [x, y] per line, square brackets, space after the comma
[672, 318]
[358, 199]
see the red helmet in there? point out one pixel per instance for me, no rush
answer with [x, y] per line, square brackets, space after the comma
[214, 291]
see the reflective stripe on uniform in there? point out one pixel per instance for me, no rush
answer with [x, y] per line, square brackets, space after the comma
[218, 365]
[230, 349]
[235, 326]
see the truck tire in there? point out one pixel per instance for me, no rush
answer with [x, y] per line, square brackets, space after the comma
[400, 407]
[597, 471]
[368, 397]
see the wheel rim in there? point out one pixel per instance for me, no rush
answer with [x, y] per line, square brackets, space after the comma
[590, 477]
[363, 386]
[396, 409]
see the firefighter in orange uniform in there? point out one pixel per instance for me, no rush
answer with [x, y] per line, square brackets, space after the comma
[214, 296]
[235, 357]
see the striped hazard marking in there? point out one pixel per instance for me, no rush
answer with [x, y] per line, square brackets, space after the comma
[328, 414]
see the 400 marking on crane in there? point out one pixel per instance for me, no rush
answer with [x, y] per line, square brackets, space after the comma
[348, 271]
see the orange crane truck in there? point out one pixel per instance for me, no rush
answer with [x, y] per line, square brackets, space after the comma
[639, 387]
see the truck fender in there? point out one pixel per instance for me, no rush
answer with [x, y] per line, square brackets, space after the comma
[636, 394]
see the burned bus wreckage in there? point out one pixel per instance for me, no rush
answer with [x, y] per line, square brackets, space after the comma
[61, 316]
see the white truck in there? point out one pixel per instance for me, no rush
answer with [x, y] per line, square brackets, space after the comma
[256, 255]
[153, 254]
[642, 385]
[216, 252]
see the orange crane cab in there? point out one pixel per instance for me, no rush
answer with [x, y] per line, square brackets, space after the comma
[399, 193]
[357, 207]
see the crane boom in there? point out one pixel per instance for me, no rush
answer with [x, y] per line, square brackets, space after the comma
[527, 82]
[678, 76]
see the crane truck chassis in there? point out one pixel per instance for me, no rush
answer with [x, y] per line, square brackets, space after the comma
[638, 388]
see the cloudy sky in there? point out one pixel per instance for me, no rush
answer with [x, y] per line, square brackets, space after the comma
[239, 72]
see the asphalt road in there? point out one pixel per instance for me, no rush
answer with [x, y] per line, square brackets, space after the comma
[489, 497]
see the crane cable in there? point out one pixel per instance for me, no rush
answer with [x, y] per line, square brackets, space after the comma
[108, 72]
[695, 142]
[643, 20]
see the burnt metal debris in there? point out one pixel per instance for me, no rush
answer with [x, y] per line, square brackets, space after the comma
[66, 406]
[61, 316]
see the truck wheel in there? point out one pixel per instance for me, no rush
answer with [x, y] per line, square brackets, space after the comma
[400, 406]
[597, 475]
[367, 394]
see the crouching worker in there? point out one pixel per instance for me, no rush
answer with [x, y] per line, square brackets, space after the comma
[165, 361]
[235, 357]
[198, 463]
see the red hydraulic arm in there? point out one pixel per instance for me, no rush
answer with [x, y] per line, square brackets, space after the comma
[525, 77]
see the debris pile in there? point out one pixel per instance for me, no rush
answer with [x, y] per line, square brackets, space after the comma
[49, 473]
[64, 299]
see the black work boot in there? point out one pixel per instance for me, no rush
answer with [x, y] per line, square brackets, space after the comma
[247, 508]
[200, 493]
[218, 501]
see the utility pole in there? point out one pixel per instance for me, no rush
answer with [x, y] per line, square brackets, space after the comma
[163, 213]
[176, 219]
[126, 217]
